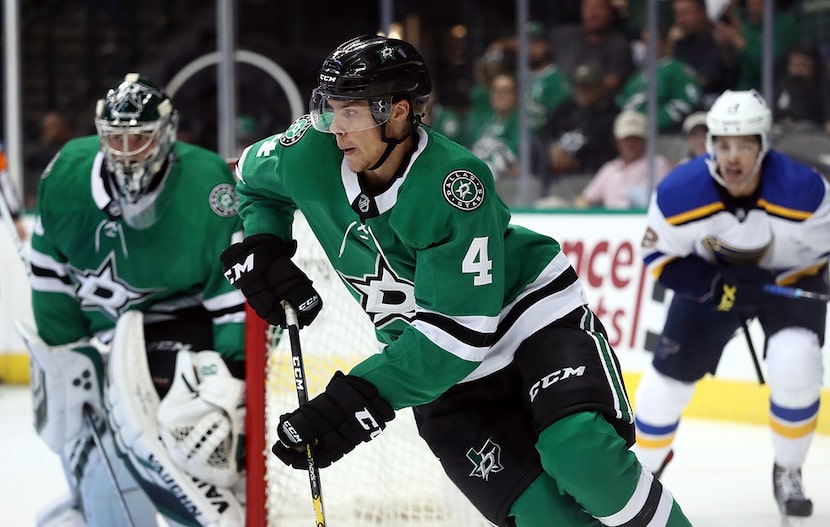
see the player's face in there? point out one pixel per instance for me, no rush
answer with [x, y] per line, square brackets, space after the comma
[736, 157]
[130, 146]
[357, 134]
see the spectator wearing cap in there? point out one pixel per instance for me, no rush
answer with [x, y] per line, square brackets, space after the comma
[694, 131]
[577, 137]
[623, 182]
[678, 90]
[595, 40]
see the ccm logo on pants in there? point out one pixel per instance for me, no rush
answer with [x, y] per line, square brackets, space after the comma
[552, 378]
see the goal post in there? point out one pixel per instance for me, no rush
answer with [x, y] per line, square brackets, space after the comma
[392, 480]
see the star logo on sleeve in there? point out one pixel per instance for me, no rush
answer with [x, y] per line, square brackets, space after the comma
[103, 290]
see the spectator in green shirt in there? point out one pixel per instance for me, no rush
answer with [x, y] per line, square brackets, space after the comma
[494, 136]
[740, 35]
[678, 89]
[548, 84]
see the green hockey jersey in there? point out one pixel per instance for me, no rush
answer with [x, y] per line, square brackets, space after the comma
[450, 285]
[89, 266]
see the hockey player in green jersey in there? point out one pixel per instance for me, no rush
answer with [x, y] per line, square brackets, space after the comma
[484, 326]
[129, 227]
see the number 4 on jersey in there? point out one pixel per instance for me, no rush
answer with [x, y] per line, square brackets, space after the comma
[477, 262]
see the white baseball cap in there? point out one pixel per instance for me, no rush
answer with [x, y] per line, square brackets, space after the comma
[630, 124]
[693, 120]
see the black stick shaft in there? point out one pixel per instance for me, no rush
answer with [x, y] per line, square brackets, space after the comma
[301, 385]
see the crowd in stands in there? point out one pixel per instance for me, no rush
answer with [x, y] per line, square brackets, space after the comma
[588, 77]
[589, 69]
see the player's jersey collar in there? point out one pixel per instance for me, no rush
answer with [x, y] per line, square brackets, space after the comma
[367, 205]
[99, 192]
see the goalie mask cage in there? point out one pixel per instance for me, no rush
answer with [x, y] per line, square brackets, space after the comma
[392, 480]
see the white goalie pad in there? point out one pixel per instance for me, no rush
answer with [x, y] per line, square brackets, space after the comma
[202, 418]
[63, 380]
[133, 403]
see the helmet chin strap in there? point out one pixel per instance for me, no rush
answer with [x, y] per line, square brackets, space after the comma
[391, 143]
[714, 171]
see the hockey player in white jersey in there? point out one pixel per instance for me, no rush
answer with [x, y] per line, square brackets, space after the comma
[720, 228]
[125, 250]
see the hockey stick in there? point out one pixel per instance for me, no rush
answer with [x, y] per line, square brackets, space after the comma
[302, 397]
[758, 372]
[89, 417]
[18, 243]
[795, 292]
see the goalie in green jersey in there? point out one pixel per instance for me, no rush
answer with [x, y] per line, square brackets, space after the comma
[484, 326]
[129, 227]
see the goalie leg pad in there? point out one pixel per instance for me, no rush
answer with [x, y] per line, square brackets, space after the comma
[63, 512]
[201, 419]
[133, 403]
[63, 380]
[98, 499]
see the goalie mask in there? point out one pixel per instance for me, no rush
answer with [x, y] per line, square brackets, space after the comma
[136, 125]
[377, 69]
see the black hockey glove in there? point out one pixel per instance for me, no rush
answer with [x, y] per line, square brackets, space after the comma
[261, 267]
[348, 413]
[740, 288]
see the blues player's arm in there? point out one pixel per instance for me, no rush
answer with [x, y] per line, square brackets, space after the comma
[677, 211]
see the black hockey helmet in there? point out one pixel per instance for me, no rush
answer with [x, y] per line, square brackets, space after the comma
[379, 69]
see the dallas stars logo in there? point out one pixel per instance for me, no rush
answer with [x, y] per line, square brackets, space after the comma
[384, 295]
[463, 190]
[102, 289]
[387, 53]
[130, 101]
[486, 460]
[295, 132]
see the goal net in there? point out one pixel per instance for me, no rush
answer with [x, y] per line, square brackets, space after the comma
[392, 480]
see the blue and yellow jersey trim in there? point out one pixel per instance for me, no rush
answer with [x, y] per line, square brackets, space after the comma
[688, 194]
[790, 191]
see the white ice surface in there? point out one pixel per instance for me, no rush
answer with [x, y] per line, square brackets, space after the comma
[721, 472]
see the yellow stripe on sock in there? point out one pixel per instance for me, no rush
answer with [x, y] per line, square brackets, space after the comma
[654, 443]
[793, 432]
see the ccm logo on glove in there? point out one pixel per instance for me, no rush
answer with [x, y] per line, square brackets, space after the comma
[290, 434]
[260, 266]
[367, 420]
[235, 273]
[348, 413]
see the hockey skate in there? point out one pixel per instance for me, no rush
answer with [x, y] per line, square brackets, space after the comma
[789, 494]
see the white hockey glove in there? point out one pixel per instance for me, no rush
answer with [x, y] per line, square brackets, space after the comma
[133, 403]
[63, 379]
[202, 418]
